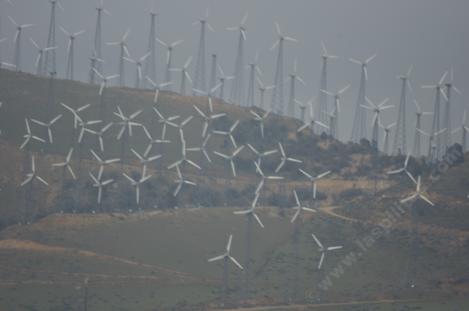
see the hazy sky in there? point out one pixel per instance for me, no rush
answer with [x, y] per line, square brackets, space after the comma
[429, 34]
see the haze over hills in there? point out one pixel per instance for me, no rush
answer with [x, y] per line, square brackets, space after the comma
[156, 259]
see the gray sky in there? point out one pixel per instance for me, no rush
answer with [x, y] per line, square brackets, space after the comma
[429, 34]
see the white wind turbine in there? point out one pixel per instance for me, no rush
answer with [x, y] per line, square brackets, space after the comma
[184, 158]
[104, 81]
[39, 63]
[226, 257]
[323, 104]
[181, 181]
[312, 120]
[387, 131]
[30, 177]
[70, 71]
[158, 88]
[152, 140]
[126, 123]
[262, 89]
[334, 126]
[293, 77]
[251, 211]
[230, 158]
[102, 162]
[464, 129]
[99, 183]
[100, 133]
[254, 73]
[83, 125]
[284, 158]
[263, 178]
[323, 250]
[208, 118]
[260, 119]
[259, 155]
[199, 74]
[181, 126]
[138, 68]
[124, 52]
[299, 208]
[48, 125]
[75, 112]
[17, 40]
[137, 183]
[203, 148]
[418, 126]
[403, 169]
[419, 194]
[169, 56]
[145, 158]
[229, 133]
[185, 76]
[377, 109]
[433, 143]
[67, 165]
[314, 179]
[165, 121]
[29, 136]
[222, 80]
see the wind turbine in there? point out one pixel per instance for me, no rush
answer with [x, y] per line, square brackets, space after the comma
[150, 69]
[432, 145]
[126, 123]
[138, 68]
[50, 55]
[184, 158]
[260, 119]
[199, 74]
[403, 169]
[464, 129]
[299, 208]
[262, 89]
[102, 162]
[250, 214]
[30, 178]
[447, 142]
[207, 118]
[124, 52]
[387, 131]
[230, 158]
[70, 71]
[48, 125]
[29, 136]
[169, 57]
[418, 194]
[222, 80]
[284, 159]
[400, 141]
[19, 30]
[145, 158]
[323, 104]
[314, 179]
[334, 126]
[263, 177]
[203, 148]
[254, 72]
[100, 184]
[277, 97]
[238, 83]
[66, 165]
[184, 75]
[377, 109]
[153, 140]
[97, 50]
[165, 121]
[259, 155]
[436, 126]
[359, 122]
[100, 133]
[293, 77]
[39, 64]
[418, 126]
[312, 122]
[104, 81]
[323, 250]
[137, 183]
[158, 88]
[181, 126]
[229, 133]
[226, 257]
[181, 181]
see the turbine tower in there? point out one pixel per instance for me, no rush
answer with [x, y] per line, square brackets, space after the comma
[277, 95]
[293, 77]
[124, 53]
[50, 55]
[400, 141]
[150, 69]
[447, 141]
[322, 96]
[436, 147]
[69, 73]
[19, 31]
[199, 74]
[169, 58]
[97, 50]
[213, 72]
[335, 116]
[254, 71]
[375, 124]
[359, 123]
[236, 96]
[418, 127]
